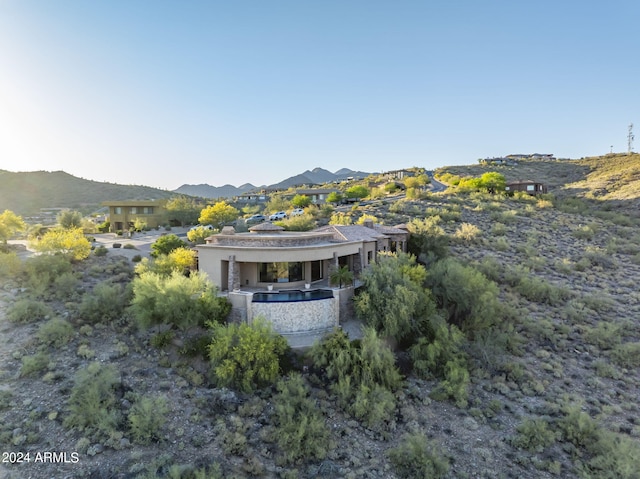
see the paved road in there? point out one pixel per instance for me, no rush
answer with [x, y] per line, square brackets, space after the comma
[436, 186]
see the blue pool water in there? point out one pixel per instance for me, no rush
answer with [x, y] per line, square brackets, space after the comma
[292, 295]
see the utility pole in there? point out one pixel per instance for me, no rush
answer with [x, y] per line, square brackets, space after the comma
[630, 138]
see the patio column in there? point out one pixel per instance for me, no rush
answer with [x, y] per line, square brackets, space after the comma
[233, 281]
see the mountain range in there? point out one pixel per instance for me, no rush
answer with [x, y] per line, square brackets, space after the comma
[25, 193]
[317, 176]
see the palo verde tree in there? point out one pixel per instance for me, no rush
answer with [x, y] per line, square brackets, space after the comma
[357, 192]
[393, 299]
[183, 210]
[68, 242]
[218, 214]
[246, 356]
[69, 219]
[166, 244]
[301, 201]
[334, 197]
[10, 224]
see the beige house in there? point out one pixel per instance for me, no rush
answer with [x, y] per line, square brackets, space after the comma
[123, 214]
[270, 256]
[283, 275]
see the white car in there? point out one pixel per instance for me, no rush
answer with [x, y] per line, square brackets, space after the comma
[297, 212]
[280, 215]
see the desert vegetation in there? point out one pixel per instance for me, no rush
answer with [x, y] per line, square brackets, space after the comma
[503, 344]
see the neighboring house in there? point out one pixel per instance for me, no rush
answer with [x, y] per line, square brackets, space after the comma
[318, 196]
[248, 265]
[528, 186]
[253, 197]
[123, 214]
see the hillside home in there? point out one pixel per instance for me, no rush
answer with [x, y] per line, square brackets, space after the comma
[528, 186]
[283, 275]
[123, 214]
[318, 196]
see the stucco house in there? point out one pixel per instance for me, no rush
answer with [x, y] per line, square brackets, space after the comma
[123, 214]
[528, 186]
[283, 275]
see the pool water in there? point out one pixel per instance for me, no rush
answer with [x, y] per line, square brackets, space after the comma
[292, 295]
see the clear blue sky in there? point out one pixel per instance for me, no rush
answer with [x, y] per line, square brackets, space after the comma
[164, 93]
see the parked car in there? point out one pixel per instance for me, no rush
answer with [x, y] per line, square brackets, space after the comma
[297, 212]
[280, 215]
[256, 219]
[207, 227]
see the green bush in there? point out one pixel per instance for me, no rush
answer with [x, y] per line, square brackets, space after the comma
[162, 339]
[467, 232]
[300, 429]
[146, 418]
[393, 299]
[418, 458]
[166, 244]
[468, 297]
[106, 303]
[534, 435]
[441, 355]
[540, 291]
[428, 242]
[10, 265]
[28, 310]
[100, 251]
[55, 332]
[361, 373]
[34, 364]
[627, 355]
[42, 270]
[246, 356]
[176, 299]
[92, 405]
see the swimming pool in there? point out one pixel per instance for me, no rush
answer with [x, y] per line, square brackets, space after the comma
[292, 295]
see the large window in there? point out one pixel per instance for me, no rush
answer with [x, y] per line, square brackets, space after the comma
[117, 210]
[316, 270]
[147, 210]
[281, 272]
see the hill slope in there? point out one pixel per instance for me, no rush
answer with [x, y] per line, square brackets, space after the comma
[25, 193]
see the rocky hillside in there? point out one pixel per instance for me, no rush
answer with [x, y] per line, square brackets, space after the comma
[25, 193]
[560, 400]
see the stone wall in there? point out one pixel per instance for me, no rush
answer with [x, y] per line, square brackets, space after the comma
[298, 316]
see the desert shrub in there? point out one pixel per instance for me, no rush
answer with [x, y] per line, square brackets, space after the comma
[534, 435]
[136, 258]
[298, 223]
[428, 242]
[176, 299]
[467, 232]
[392, 299]
[129, 246]
[362, 374]
[181, 260]
[498, 229]
[605, 335]
[441, 355]
[627, 355]
[540, 291]
[166, 244]
[416, 458]
[572, 205]
[613, 456]
[146, 418]
[468, 297]
[100, 251]
[300, 428]
[583, 232]
[162, 339]
[490, 267]
[578, 427]
[55, 332]
[599, 257]
[246, 356]
[28, 310]
[92, 405]
[10, 265]
[41, 271]
[105, 303]
[70, 243]
[34, 364]
[65, 286]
